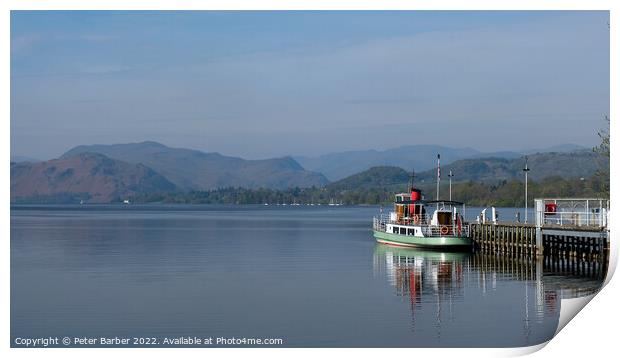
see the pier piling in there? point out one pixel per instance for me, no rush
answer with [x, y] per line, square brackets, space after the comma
[528, 240]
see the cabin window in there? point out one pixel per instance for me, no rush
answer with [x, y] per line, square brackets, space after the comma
[395, 230]
[403, 231]
[410, 231]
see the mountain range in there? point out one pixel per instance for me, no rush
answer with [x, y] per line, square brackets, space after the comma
[105, 173]
[336, 166]
[195, 170]
[583, 163]
[488, 170]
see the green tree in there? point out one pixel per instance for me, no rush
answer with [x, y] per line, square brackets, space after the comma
[603, 150]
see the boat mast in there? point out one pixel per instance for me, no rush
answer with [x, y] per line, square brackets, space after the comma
[450, 175]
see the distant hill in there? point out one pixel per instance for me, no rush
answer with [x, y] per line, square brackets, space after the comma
[489, 170]
[375, 177]
[561, 148]
[336, 166]
[542, 165]
[196, 170]
[21, 158]
[90, 177]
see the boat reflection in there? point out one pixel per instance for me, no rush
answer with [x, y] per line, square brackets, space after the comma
[413, 271]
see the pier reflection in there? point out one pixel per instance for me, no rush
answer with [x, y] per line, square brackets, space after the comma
[437, 281]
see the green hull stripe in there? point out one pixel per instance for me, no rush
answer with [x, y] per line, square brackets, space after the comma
[422, 241]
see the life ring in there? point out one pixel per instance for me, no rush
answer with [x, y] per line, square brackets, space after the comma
[444, 230]
[416, 218]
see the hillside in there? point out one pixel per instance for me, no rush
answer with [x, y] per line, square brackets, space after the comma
[542, 165]
[375, 177]
[195, 170]
[336, 166]
[339, 165]
[486, 170]
[90, 177]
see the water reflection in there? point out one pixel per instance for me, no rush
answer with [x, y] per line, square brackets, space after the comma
[412, 272]
[437, 281]
[418, 275]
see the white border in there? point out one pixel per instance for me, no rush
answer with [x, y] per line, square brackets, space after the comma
[591, 332]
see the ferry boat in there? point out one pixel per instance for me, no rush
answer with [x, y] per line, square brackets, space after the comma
[410, 225]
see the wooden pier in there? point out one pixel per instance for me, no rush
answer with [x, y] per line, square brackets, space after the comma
[580, 244]
[512, 239]
[563, 228]
[521, 240]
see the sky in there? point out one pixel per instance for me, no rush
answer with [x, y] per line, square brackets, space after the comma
[273, 83]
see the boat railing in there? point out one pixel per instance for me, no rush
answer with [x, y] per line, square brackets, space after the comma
[414, 220]
[380, 224]
[446, 230]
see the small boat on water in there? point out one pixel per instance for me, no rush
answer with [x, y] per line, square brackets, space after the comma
[410, 225]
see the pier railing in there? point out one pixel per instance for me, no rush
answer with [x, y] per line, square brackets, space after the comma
[590, 213]
[567, 228]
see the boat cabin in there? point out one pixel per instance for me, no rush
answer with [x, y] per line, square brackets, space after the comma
[409, 208]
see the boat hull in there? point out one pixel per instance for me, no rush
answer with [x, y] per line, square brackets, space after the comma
[435, 243]
[417, 253]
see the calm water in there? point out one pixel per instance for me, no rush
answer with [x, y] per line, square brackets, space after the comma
[312, 276]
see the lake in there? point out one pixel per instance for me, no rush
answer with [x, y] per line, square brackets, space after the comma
[308, 276]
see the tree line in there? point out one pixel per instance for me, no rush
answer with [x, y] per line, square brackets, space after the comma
[504, 193]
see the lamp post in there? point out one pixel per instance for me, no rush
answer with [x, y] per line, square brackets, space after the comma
[438, 179]
[450, 175]
[526, 169]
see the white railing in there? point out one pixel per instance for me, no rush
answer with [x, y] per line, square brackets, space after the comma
[380, 224]
[446, 230]
[417, 220]
[572, 212]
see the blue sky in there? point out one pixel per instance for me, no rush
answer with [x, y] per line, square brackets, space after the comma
[272, 83]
